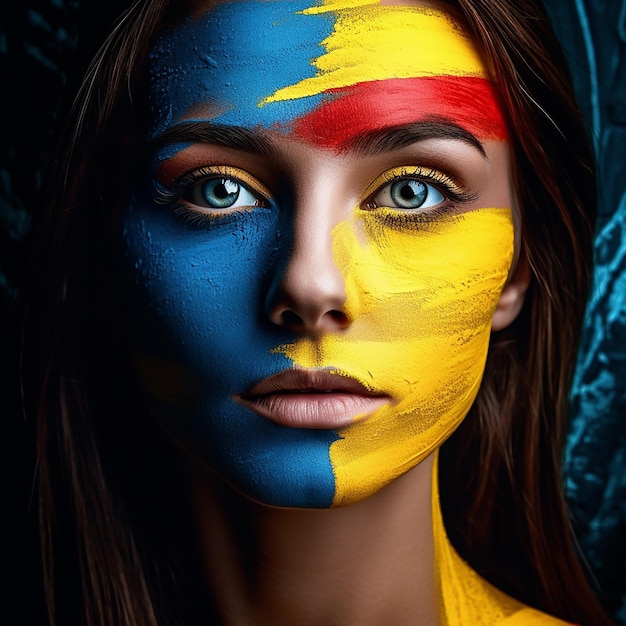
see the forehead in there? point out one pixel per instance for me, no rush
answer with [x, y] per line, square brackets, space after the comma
[305, 68]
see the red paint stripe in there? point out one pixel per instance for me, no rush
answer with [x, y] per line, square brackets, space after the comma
[350, 112]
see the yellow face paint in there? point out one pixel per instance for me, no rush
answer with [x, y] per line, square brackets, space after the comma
[421, 291]
[368, 40]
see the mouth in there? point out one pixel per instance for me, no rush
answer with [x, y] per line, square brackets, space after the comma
[303, 398]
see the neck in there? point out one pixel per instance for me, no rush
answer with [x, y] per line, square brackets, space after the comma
[369, 563]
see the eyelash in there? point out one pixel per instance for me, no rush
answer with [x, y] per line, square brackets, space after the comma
[451, 190]
[173, 195]
[454, 194]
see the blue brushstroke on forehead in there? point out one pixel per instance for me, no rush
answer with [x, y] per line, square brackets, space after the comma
[233, 57]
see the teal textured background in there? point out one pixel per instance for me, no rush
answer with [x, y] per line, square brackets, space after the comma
[593, 34]
[39, 48]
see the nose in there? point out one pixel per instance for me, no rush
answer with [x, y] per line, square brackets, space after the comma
[309, 295]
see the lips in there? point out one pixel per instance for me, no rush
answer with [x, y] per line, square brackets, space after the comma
[303, 398]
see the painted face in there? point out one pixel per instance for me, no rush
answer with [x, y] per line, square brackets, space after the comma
[321, 246]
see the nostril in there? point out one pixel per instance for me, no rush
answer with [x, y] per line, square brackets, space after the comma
[292, 320]
[327, 322]
[338, 317]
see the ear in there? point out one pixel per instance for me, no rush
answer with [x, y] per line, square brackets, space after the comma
[512, 297]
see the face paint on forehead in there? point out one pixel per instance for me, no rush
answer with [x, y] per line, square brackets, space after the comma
[233, 57]
[327, 74]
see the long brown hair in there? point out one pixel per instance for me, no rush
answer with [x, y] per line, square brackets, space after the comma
[103, 540]
[518, 424]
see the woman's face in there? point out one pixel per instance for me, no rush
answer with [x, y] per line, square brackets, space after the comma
[324, 238]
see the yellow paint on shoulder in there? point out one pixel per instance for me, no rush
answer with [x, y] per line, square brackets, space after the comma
[371, 42]
[466, 597]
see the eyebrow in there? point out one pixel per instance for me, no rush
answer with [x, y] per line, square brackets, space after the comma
[397, 137]
[369, 143]
[217, 134]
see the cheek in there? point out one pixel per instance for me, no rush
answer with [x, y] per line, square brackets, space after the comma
[193, 312]
[193, 296]
[442, 278]
[422, 298]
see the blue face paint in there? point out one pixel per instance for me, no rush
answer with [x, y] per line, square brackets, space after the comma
[195, 313]
[197, 291]
[221, 65]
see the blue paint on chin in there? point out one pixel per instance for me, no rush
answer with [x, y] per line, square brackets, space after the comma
[271, 464]
[196, 308]
[233, 57]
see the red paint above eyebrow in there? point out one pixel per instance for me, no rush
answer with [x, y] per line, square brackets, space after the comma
[350, 112]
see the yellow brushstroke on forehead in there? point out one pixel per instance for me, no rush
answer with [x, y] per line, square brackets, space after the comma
[373, 42]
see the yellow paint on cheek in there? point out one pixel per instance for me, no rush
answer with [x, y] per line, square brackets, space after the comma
[379, 42]
[421, 297]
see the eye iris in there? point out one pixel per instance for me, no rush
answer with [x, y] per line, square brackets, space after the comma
[409, 194]
[220, 193]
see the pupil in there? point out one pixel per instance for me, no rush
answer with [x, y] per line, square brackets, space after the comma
[221, 194]
[406, 192]
[409, 194]
[220, 191]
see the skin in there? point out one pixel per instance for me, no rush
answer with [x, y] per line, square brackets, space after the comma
[312, 271]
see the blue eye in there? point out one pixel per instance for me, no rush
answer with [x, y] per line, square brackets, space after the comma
[407, 194]
[220, 193]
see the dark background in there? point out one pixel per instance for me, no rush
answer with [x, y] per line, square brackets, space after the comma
[40, 52]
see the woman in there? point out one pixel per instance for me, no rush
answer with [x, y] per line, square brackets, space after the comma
[312, 266]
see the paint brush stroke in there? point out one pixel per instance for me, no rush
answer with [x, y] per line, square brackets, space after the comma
[350, 112]
[366, 43]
